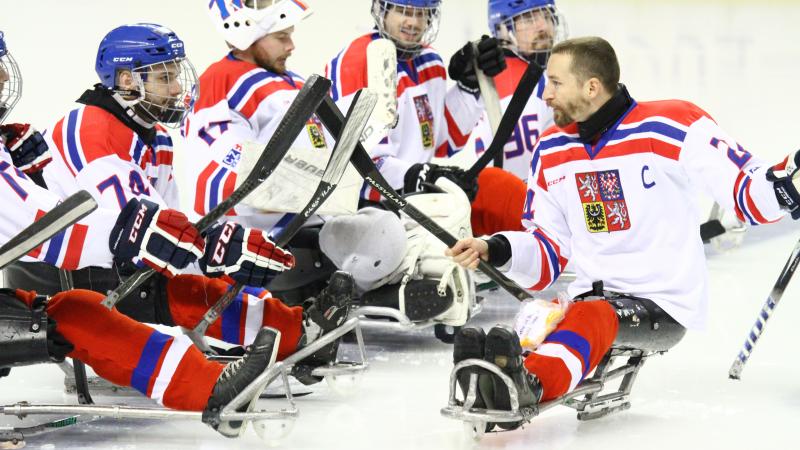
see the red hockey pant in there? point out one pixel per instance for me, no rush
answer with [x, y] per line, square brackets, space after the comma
[190, 296]
[574, 348]
[167, 369]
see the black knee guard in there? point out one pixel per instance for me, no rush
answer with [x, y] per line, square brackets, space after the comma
[643, 325]
[26, 335]
[311, 271]
[148, 303]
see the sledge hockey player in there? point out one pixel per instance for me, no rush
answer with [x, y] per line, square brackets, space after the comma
[431, 121]
[37, 329]
[527, 29]
[242, 99]
[610, 191]
[114, 146]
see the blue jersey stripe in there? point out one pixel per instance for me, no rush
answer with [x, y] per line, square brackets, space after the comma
[335, 78]
[145, 368]
[72, 146]
[215, 196]
[741, 201]
[651, 127]
[244, 88]
[54, 249]
[137, 151]
[426, 58]
[551, 254]
[548, 143]
[540, 87]
[574, 341]
[162, 141]
[231, 320]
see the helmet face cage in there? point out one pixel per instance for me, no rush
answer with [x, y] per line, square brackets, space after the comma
[170, 89]
[11, 80]
[431, 15]
[532, 34]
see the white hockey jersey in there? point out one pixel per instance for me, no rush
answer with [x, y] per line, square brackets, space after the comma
[433, 121]
[81, 245]
[623, 211]
[238, 102]
[535, 118]
[95, 151]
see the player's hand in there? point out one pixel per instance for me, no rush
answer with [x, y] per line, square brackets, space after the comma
[467, 252]
[785, 177]
[419, 174]
[491, 60]
[29, 151]
[163, 239]
[245, 254]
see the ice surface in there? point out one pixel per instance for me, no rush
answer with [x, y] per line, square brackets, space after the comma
[681, 399]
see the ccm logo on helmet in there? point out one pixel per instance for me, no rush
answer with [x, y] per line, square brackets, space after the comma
[122, 59]
[137, 223]
[177, 45]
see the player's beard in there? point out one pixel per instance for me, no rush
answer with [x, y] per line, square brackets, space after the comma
[564, 115]
[275, 64]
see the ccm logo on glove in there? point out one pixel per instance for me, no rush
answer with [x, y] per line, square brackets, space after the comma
[218, 257]
[137, 223]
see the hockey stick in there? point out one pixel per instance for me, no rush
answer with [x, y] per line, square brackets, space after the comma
[509, 121]
[713, 228]
[381, 79]
[491, 99]
[775, 295]
[357, 117]
[332, 119]
[301, 109]
[66, 213]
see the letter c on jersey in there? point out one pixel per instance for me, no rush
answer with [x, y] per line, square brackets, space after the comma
[647, 185]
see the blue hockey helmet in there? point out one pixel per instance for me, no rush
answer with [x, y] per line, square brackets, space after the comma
[10, 80]
[429, 13]
[530, 28]
[165, 82]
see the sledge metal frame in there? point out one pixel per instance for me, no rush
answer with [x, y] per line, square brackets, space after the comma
[79, 414]
[586, 399]
[401, 321]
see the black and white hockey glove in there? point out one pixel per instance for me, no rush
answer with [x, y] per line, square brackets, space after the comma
[785, 177]
[420, 174]
[491, 60]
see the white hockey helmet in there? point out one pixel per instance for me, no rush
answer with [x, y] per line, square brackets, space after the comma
[242, 22]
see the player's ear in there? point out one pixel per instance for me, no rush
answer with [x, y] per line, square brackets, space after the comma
[125, 80]
[592, 87]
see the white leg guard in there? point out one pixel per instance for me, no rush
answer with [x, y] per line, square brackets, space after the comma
[425, 257]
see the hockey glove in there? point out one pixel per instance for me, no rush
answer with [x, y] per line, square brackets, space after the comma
[163, 239]
[491, 60]
[785, 178]
[29, 151]
[244, 254]
[420, 174]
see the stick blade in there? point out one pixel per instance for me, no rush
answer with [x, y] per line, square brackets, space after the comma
[710, 230]
[735, 372]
